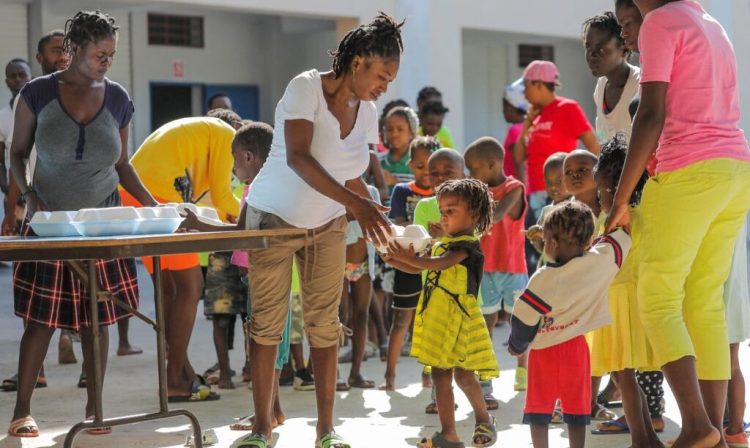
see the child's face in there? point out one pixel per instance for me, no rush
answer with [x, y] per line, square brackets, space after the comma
[578, 176]
[431, 123]
[246, 166]
[455, 216]
[484, 170]
[418, 166]
[602, 53]
[605, 192]
[553, 183]
[442, 170]
[398, 134]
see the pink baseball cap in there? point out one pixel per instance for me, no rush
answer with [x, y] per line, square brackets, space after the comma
[544, 71]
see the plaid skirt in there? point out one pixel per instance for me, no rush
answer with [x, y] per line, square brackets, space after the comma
[49, 294]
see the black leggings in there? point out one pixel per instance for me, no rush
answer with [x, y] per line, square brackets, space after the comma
[651, 385]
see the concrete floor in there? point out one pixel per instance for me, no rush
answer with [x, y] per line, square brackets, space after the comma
[367, 418]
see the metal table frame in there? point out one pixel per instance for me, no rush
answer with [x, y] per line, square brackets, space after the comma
[80, 255]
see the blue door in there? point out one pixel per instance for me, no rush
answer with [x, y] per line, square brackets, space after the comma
[244, 98]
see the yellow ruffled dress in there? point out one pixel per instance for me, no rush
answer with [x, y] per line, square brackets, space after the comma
[449, 329]
[623, 344]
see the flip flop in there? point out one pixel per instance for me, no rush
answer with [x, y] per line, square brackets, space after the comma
[23, 427]
[247, 423]
[600, 413]
[199, 393]
[610, 427]
[82, 381]
[491, 402]
[11, 384]
[254, 441]
[433, 410]
[332, 440]
[360, 383]
[342, 386]
[485, 430]
[438, 441]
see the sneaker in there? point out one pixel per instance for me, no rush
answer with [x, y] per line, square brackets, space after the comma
[303, 380]
[736, 440]
[520, 382]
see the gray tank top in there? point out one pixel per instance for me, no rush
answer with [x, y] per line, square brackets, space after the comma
[75, 165]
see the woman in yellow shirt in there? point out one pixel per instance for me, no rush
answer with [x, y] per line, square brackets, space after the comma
[186, 160]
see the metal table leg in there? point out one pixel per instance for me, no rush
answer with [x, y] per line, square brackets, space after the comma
[161, 351]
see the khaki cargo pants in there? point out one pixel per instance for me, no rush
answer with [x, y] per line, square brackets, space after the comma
[321, 269]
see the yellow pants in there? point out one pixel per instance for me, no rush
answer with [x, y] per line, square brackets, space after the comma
[691, 218]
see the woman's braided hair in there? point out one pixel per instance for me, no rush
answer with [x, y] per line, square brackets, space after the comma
[611, 163]
[381, 37]
[606, 22]
[88, 26]
[477, 197]
[570, 221]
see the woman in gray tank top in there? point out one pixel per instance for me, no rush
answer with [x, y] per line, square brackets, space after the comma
[78, 120]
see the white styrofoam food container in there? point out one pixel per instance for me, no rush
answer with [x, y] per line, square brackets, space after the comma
[52, 224]
[157, 220]
[107, 221]
[404, 236]
[208, 215]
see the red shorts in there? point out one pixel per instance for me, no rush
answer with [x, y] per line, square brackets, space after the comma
[563, 372]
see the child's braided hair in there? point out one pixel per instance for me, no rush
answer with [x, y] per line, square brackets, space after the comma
[88, 26]
[381, 37]
[570, 221]
[612, 161]
[477, 197]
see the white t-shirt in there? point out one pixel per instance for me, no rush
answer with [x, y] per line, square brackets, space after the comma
[563, 302]
[278, 189]
[8, 138]
[618, 119]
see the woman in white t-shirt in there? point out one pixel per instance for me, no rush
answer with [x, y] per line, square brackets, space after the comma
[618, 83]
[324, 124]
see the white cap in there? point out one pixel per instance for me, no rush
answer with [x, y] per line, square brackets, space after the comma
[514, 95]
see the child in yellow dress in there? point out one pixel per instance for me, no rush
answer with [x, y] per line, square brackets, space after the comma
[449, 331]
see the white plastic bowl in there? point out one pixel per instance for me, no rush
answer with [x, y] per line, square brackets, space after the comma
[420, 244]
[54, 224]
[412, 234]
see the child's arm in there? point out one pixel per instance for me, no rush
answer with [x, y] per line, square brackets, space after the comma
[511, 205]
[192, 223]
[427, 263]
[400, 265]
[527, 315]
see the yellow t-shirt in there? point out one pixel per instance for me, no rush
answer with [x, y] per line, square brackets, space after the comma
[198, 148]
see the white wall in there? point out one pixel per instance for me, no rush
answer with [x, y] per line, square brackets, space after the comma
[13, 39]
[490, 61]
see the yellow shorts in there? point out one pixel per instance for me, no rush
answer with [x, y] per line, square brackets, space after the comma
[691, 218]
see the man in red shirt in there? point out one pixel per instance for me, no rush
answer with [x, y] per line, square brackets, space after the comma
[552, 124]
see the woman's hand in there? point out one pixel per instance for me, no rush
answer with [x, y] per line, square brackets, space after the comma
[369, 214]
[619, 216]
[9, 225]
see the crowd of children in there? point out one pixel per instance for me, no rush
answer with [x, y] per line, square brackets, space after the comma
[552, 238]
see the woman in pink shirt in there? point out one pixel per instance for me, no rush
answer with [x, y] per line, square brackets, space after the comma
[693, 207]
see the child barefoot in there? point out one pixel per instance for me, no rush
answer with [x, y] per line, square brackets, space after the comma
[503, 247]
[622, 347]
[406, 286]
[449, 331]
[564, 300]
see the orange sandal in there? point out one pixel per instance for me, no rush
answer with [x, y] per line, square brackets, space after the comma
[99, 431]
